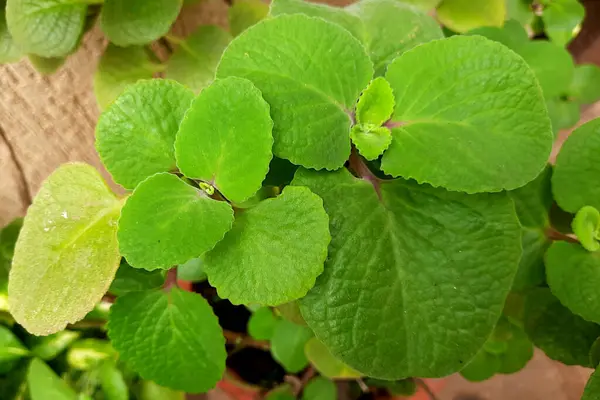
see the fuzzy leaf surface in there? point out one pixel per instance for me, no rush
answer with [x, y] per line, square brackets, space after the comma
[465, 122]
[135, 135]
[398, 262]
[167, 222]
[9, 50]
[67, 252]
[143, 326]
[274, 252]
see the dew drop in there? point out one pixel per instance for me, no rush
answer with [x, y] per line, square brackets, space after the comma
[64, 214]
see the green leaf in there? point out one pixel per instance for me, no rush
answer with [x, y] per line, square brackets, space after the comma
[89, 354]
[552, 65]
[274, 252]
[573, 275]
[370, 140]
[46, 66]
[129, 279]
[8, 238]
[595, 354]
[166, 222]
[245, 13]
[563, 114]
[291, 312]
[11, 350]
[464, 15]
[144, 326]
[48, 347]
[120, 67]
[533, 202]
[561, 19]
[283, 392]
[262, 324]
[585, 86]
[519, 11]
[592, 388]
[424, 5]
[326, 363]
[577, 170]
[194, 61]
[67, 253]
[48, 28]
[135, 22]
[320, 388]
[310, 72]
[519, 349]
[413, 256]
[512, 34]
[586, 226]
[376, 103]
[191, 271]
[113, 383]
[392, 28]
[226, 138]
[9, 50]
[44, 384]
[481, 126]
[152, 391]
[482, 367]
[287, 345]
[559, 333]
[135, 135]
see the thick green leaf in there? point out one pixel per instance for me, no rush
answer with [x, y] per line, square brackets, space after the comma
[563, 114]
[586, 226]
[9, 50]
[135, 22]
[512, 34]
[48, 347]
[283, 392]
[595, 354]
[577, 171]
[120, 67]
[592, 388]
[144, 326]
[191, 271]
[8, 238]
[67, 253]
[561, 18]
[194, 61]
[326, 363]
[519, 349]
[520, 11]
[291, 312]
[585, 86]
[552, 65]
[391, 28]
[464, 15]
[135, 135]
[48, 28]
[482, 367]
[533, 202]
[167, 222]
[152, 391]
[113, 383]
[245, 13]
[46, 66]
[473, 127]
[226, 138]
[409, 258]
[562, 335]
[310, 72]
[11, 350]
[370, 140]
[262, 324]
[129, 279]
[274, 252]
[320, 388]
[287, 345]
[89, 354]
[44, 384]
[573, 275]
[376, 103]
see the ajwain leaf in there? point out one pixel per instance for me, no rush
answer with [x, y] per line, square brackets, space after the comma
[46, 66]
[245, 13]
[310, 72]
[592, 388]
[225, 138]
[47, 28]
[166, 222]
[480, 126]
[48, 347]
[585, 86]
[112, 381]
[586, 225]
[464, 15]
[137, 22]
[563, 114]
[11, 350]
[262, 324]
[274, 252]
[320, 388]
[326, 363]
[561, 18]
[135, 135]
[194, 60]
[376, 103]
[67, 252]
[143, 326]
[9, 50]
[573, 275]
[191, 271]
[291, 312]
[577, 170]
[287, 345]
[44, 384]
[402, 256]
[129, 279]
[370, 140]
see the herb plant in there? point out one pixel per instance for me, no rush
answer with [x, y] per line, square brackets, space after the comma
[378, 194]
